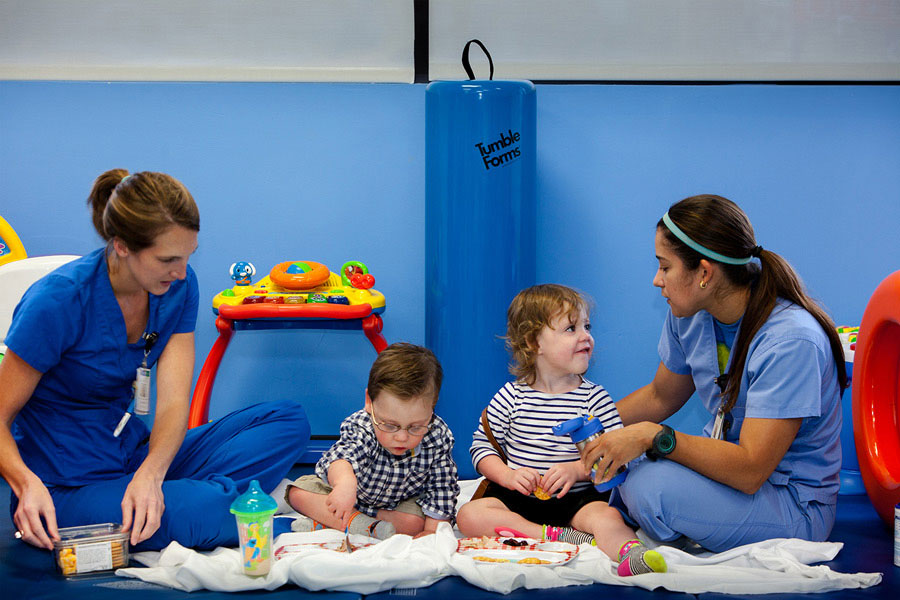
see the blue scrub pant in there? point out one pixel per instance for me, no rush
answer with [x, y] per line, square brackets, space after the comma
[669, 500]
[215, 464]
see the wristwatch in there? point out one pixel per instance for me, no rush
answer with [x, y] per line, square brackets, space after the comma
[663, 443]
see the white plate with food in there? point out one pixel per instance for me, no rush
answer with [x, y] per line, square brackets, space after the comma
[519, 551]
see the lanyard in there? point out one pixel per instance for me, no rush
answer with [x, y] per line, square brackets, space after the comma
[149, 341]
[142, 380]
[141, 384]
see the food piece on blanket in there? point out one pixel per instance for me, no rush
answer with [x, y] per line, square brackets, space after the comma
[540, 494]
[346, 546]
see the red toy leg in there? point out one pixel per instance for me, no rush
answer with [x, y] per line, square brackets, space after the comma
[199, 414]
[372, 326]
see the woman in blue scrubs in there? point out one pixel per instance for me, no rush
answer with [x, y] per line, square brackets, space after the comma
[766, 362]
[69, 448]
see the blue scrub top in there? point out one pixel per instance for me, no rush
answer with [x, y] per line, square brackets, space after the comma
[789, 373]
[69, 327]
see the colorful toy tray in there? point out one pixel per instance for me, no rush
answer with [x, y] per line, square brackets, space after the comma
[529, 552]
[277, 295]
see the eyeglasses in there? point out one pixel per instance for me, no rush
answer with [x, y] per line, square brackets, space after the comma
[393, 428]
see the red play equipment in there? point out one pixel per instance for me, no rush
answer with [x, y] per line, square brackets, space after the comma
[876, 408]
[294, 296]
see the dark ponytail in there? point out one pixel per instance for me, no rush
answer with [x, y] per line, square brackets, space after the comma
[720, 225]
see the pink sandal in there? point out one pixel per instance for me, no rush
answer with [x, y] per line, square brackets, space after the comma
[509, 532]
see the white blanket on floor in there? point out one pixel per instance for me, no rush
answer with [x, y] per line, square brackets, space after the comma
[774, 566]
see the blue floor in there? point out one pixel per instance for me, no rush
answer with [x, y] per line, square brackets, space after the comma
[29, 573]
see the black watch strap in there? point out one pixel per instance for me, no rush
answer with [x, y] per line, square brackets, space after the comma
[663, 443]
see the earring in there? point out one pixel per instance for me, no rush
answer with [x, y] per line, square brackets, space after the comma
[703, 285]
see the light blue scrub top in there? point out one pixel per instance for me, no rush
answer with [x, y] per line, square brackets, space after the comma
[790, 373]
[69, 327]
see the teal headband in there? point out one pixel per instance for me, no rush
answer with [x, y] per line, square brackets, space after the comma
[702, 249]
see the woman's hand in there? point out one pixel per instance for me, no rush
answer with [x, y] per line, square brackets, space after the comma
[142, 506]
[523, 480]
[35, 516]
[560, 478]
[341, 501]
[35, 509]
[616, 448]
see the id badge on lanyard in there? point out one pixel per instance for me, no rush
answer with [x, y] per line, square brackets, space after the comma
[721, 425]
[141, 386]
[142, 378]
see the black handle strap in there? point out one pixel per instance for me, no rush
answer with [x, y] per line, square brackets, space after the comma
[465, 59]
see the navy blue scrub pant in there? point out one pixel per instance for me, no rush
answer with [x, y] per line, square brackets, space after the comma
[215, 464]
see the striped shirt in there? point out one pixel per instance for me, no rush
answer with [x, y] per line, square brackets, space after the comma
[426, 474]
[521, 419]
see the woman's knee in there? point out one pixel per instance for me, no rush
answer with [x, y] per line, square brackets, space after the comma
[287, 410]
[646, 485]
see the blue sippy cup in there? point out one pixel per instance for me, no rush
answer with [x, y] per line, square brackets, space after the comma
[582, 430]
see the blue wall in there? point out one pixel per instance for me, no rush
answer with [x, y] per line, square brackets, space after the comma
[333, 172]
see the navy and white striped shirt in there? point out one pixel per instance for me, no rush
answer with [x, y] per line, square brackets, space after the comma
[427, 473]
[521, 419]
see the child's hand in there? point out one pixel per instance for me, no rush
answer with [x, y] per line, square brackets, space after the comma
[560, 478]
[523, 480]
[341, 502]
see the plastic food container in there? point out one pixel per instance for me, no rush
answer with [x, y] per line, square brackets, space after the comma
[90, 548]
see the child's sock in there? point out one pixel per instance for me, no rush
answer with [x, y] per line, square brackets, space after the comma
[566, 534]
[636, 559]
[365, 525]
[304, 524]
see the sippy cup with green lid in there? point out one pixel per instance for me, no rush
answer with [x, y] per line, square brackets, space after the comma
[253, 511]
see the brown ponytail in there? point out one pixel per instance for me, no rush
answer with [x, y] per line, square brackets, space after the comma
[720, 225]
[137, 208]
[99, 197]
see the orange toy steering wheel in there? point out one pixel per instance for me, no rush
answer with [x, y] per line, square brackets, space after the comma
[299, 274]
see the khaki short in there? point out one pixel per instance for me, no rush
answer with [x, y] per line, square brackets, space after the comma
[312, 483]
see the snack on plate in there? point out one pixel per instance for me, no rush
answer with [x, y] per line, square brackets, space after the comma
[517, 550]
[514, 542]
[540, 494]
[481, 543]
[531, 560]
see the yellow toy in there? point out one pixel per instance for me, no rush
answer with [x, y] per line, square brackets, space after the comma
[297, 286]
[11, 247]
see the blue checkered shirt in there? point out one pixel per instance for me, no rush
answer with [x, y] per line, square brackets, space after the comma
[427, 473]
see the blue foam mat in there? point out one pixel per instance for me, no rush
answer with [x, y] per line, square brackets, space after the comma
[29, 572]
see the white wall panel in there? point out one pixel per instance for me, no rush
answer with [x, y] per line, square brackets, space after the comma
[852, 40]
[207, 40]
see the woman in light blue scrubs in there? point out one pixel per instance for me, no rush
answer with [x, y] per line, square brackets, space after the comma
[69, 448]
[765, 361]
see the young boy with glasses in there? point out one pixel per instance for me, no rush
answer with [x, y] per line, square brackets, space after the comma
[392, 469]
